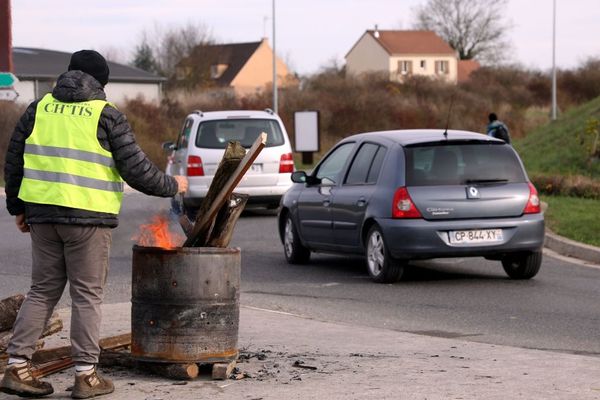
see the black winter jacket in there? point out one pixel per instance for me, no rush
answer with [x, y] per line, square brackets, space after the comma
[114, 135]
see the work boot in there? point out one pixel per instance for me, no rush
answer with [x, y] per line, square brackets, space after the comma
[91, 385]
[19, 380]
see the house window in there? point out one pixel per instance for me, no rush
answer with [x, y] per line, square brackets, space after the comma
[423, 64]
[216, 70]
[441, 67]
[405, 67]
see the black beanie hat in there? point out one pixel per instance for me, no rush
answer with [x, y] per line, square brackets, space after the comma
[91, 62]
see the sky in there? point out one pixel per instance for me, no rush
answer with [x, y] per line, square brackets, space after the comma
[309, 35]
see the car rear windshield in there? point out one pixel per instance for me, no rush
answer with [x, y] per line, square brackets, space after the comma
[215, 134]
[459, 164]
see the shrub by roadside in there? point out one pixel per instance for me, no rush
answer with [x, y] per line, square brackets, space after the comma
[574, 186]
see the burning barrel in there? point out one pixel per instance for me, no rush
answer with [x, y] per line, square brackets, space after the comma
[185, 304]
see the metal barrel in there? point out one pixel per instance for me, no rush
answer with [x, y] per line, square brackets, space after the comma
[185, 304]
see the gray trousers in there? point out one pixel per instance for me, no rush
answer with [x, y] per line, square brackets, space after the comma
[65, 253]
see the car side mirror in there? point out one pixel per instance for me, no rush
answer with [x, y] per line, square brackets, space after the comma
[168, 147]
[299, 177]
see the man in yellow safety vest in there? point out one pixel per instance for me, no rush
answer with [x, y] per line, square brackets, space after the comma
[65, 166]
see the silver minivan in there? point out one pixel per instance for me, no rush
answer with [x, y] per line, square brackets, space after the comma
[201, 144]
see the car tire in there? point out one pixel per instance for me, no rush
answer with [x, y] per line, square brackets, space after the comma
[523, 266]
[382, 267]
[295, 252]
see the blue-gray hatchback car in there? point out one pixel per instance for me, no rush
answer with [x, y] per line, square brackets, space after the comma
[402, 195]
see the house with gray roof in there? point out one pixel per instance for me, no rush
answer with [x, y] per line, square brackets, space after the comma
[38, 69]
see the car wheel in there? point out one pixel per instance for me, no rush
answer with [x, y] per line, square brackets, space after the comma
[382, 267]
[295, 252]
[523, 266]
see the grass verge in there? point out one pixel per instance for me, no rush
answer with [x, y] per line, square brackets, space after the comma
[575, 218]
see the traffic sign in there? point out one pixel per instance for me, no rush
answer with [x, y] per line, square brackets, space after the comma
[7, 79]
[8, 94]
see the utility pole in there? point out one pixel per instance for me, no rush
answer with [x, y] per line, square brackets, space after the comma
[274, 65]
[554, 61]
[6, 64]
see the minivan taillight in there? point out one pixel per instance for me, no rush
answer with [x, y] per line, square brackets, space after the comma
[286, 163]
[533, 203]
[403, 206]
[194, 166]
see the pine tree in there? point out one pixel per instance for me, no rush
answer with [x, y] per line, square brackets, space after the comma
[144, 58]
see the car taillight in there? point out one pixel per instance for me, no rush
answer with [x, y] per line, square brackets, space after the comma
[403, 206]
[286, 163]
[194, 166]
[533, 203]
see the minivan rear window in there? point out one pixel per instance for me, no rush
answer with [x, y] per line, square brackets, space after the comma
[215, 134]
[459, 164]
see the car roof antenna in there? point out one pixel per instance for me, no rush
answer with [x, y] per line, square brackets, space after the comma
[449, 113]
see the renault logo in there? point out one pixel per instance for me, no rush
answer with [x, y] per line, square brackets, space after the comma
[472, 192]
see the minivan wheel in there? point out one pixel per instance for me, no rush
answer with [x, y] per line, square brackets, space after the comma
[295, 252]
[382, 267]
[523, 266]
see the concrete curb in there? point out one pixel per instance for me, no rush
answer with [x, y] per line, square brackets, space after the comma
[571, 248]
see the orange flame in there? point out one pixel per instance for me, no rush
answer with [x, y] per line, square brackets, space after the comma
[157, 234]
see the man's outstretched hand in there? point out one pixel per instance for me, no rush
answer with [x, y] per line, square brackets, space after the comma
[182, 183]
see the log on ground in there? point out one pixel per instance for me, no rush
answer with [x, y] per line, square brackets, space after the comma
[57, 359]
[53, 326]
[222, 371]
[9, 307]
[179, 371]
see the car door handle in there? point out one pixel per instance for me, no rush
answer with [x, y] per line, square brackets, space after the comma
[361, 202]
[326, 203]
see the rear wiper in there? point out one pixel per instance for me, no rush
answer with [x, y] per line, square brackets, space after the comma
[486, 180]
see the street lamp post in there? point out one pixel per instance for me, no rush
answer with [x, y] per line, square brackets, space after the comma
[554, 61]
[274, 65]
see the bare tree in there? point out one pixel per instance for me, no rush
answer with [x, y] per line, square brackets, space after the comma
[114, 54]
[474, 28]
[169, 46]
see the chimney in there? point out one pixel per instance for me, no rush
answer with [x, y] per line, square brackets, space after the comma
[376, 33]
[6, 64]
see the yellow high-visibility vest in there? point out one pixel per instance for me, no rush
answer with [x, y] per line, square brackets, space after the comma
[64, 162]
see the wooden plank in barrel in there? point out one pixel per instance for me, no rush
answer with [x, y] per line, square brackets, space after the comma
[204, 221]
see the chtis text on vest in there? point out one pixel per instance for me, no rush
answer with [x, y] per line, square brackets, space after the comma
[77, 109]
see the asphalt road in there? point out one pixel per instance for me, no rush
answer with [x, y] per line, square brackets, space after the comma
[471, 299]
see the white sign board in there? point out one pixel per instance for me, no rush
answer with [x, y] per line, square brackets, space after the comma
[8, 94]
[306, 129]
